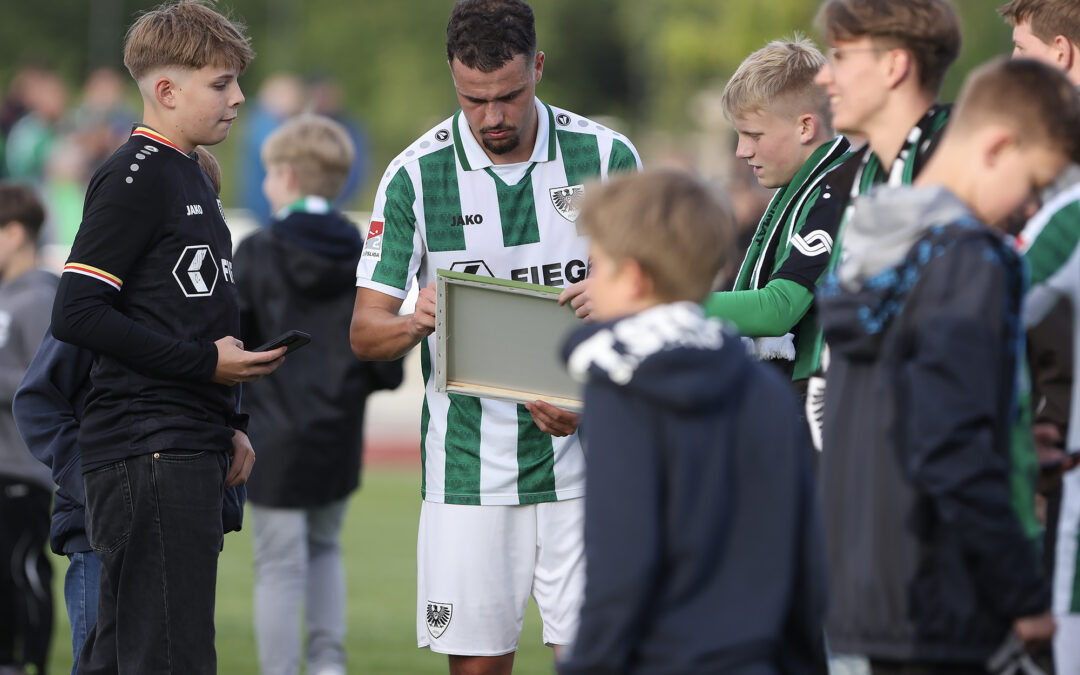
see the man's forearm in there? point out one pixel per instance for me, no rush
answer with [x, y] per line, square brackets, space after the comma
[376, 334]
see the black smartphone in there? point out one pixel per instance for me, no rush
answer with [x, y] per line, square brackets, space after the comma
[293, 340]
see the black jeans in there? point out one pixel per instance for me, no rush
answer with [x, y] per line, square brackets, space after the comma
[26, 601]
[155, 522]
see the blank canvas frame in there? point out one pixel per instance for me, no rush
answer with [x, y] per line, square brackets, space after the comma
[500, 339]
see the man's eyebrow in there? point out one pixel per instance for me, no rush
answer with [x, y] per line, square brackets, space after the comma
[474, 99]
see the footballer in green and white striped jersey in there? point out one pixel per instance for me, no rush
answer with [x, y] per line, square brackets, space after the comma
[443, 204]
[1051, 245]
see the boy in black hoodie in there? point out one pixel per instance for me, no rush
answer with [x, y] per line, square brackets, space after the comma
[701, 538]
[300, 273]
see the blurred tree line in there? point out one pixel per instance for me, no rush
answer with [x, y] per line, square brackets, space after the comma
[644, 62]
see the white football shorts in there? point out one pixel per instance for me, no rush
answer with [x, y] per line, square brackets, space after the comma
[478, 565]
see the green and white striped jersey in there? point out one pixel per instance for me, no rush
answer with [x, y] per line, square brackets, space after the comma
[442, 204]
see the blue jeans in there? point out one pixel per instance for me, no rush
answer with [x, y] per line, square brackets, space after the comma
[155, 522]
[81, 598]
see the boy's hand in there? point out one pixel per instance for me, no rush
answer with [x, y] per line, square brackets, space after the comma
[1035, 631]
[243, 459]
[236, 365]
[577, 294]
[422, 320]
[552, 420]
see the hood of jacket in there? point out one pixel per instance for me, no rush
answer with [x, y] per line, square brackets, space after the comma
[887, 222]
[317, 252]
[670, 354]
[892, 235]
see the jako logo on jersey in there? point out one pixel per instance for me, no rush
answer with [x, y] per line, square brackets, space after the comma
[552, 274]
[467, 219]
[472, 267]
[373, 245]
[815, 243]
[438, 617]
[194, 209]
[442, 135]
[567, 200]
[562, 119]
[196, 271]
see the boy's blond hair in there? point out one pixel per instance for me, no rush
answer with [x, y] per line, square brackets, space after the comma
[210, 165]
[929, 30]
[318, 149]
[188, 34]
[779, 77]
[667, 221]
[1048, 18]
[1033, 99]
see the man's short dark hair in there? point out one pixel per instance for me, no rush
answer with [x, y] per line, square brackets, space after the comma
[20, 204]
[486, 34]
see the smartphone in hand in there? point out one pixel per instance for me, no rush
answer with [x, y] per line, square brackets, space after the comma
[292, 340]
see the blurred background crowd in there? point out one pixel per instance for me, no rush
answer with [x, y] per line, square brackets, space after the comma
[655, 72]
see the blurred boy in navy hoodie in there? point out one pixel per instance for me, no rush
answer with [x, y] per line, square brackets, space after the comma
[702, 543]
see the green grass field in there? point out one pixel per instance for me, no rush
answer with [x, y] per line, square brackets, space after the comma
[380, 563]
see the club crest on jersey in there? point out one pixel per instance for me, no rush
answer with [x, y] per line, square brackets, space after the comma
[438, 617]
[567, 200]
[196, 271]
[373, 245]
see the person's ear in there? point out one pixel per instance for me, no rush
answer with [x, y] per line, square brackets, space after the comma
[995, 142]
[641, 284]
[291, 180]
[900, 66]
[1064, 53]
[808, 128]
[165, 91]
[538, 68]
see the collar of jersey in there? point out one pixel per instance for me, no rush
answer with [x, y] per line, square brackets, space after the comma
[147, 132]
[472, 155]
[307, 204]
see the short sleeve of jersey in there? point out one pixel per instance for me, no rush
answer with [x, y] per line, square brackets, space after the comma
[1053, 244]
[118, 223]
[623, 158]
[392, 251]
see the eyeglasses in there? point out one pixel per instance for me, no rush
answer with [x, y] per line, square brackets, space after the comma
[836, 54]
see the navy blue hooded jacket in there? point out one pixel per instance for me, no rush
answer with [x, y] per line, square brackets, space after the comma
[919, 474]
[702, 543]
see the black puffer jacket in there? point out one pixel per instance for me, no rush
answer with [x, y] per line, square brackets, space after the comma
[307, 418]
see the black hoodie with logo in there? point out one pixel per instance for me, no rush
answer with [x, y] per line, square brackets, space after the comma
[307, 418]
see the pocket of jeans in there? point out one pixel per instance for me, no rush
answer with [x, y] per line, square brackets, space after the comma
[194, 480]
[108, 507]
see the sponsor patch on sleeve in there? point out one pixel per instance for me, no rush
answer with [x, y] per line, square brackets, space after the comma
[373, 245]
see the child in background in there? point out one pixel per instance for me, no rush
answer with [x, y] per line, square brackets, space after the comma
[26, 294]
[307, 421]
